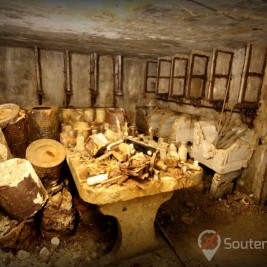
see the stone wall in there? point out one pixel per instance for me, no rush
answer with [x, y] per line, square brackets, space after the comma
[254, 179]
[18, 79]
[17, 76]
[81, 96]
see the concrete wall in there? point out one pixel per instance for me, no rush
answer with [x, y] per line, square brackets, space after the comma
[18, 79]
[52, 65]
[105, 97]
[80, 65]
[237, 69]
[17, 76]
[133, 85]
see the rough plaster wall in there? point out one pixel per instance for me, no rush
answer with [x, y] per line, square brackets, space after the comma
[80, 65]
[237, 69]
[18, 79]
[105, 97]
[52, 65]
[17, 76]
[254, 179]
[133, 84]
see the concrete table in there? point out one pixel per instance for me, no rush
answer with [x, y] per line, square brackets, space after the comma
[134, 208]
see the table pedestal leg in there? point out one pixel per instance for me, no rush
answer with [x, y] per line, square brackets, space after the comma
[135, 224]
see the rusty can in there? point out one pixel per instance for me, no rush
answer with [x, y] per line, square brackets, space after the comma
[46, 157]
[21, 192]
[16, 137]
[42, 122]
[115, 115]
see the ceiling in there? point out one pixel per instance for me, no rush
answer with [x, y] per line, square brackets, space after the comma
[143, 28]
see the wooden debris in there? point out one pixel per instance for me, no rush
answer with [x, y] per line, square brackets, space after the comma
[111, 180]
[96, 144]
[15, 235]
[228, 133]
[58, 215]
[120, 168]
[118, 156]
[172, 162]
[153, 160]
[115, 180]
[6, 225]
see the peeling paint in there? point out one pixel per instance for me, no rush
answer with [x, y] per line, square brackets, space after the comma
[16, 170]
[39, 199]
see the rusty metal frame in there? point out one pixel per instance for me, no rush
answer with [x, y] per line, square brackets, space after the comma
[195, 100]
[93, 73]
[163, 96]
[175, 97]
[247, 74]
[248, 109]
[38, 70]
[68, 78]
[118, 75]
[220, 76]
[147, 76]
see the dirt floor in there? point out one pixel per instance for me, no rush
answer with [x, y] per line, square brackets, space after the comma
[179, 223]
[235, 217]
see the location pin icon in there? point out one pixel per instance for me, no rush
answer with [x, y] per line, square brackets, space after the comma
[209, 242]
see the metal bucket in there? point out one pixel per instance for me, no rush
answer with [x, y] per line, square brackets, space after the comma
[8, 113]
[18, 150]
[16, 137]
[46, 157]
[42, 122]
[21, 191]
[50, 177]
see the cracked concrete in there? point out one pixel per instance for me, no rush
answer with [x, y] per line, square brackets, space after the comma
[133, 28]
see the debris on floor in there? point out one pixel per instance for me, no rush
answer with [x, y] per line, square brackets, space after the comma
[190, 212]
